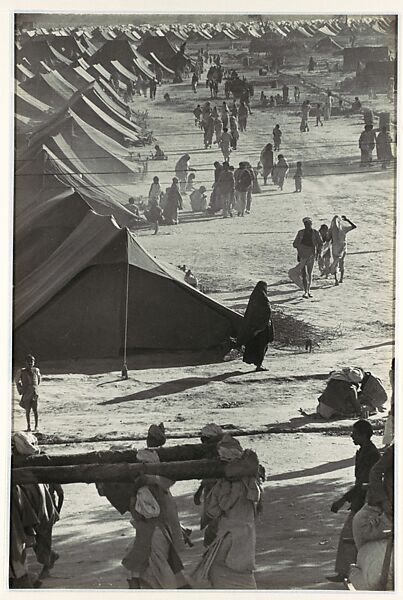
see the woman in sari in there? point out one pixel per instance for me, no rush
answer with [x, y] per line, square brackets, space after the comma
[257, 327]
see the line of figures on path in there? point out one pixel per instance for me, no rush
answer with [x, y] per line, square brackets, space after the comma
[230, 507]
[232, 188]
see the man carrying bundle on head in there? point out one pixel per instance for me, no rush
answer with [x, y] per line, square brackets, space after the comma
[210, 435]
[153, 559]
[229, 561]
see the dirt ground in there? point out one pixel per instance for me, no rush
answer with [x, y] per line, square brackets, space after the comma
[86, 405]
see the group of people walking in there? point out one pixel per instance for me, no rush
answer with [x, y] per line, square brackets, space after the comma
[324, 245]
[224, 124]
[228, 509]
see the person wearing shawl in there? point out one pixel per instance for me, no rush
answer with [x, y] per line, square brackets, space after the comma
[384, 147]
[198, 200]
[173, 203]
[340, 398]
[33, 515]
[233, 125]
[155, 192]
[182, 170]
[224, 190]
[257, 327]
[280, 171]
[229, 560]
[339, 228]
[210, 435]
[324, 257]
[153, 558]
[308, 244]
[218, 126]
[267, 161]
[215, 201]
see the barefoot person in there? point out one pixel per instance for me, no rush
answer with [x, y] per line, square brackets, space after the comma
[257, 327]
[36, 508]
[308, 244]
[365, 459]
[229, 561]
[339, 228]
[153, 559]
[27, 385]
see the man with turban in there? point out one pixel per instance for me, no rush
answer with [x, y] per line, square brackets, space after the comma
[153, 558]
[308, 244]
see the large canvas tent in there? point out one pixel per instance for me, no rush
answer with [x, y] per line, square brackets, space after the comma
[363, 54]
[74, 304]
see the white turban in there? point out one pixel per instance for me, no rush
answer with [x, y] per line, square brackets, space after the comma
[212, 431]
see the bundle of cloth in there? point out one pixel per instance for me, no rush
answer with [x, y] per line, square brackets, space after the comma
[349, 391]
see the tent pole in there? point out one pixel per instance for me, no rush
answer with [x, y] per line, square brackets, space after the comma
[125, 374]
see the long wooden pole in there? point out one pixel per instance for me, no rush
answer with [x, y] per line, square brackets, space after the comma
[168, 454]
[185, 470]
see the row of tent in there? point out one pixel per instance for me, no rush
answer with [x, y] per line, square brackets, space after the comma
[83, 285]
[140, 59]
[205, 32]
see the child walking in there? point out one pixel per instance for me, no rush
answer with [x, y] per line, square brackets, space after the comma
[298, 177]
[27, 386]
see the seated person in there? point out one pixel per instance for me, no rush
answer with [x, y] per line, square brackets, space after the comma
[159, 154]
[198, 200]
[167, 97]
[189, 184]
[356, 105]
[191, 279]
[340, 398]
[132, 207]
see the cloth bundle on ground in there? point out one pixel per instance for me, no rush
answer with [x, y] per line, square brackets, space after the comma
[347, 390]
[372, 392]
[340, 397]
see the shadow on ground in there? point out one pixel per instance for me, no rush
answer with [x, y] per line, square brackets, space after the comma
[172, 387]
[296, 537]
